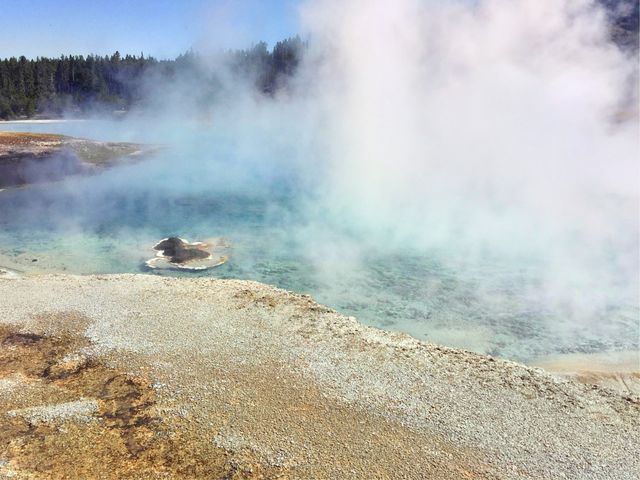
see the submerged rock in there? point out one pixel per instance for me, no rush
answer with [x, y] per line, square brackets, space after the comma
[175, 252]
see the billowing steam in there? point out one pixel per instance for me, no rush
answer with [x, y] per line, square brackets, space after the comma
[487, 130]
[507, 104]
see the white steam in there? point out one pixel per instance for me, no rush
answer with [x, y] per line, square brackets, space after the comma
[486, 130]
[510, 103]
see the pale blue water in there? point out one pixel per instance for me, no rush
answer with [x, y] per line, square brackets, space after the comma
[107, 224]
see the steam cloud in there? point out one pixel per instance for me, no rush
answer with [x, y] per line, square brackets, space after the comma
[487, 125]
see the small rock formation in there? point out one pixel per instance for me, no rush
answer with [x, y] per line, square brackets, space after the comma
[175, 252]
[181, 251]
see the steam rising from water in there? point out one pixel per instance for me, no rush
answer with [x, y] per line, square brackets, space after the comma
[452, 169]
[485, 130]
[431, 105]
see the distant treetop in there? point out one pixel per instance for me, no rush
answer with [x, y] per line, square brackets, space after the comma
[75, 83]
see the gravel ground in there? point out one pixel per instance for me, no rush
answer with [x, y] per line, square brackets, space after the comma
[296, 390]
[80, 410]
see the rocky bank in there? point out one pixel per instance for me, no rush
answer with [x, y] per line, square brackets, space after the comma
[140, 376]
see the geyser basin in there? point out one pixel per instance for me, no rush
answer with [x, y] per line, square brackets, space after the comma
[494, 301]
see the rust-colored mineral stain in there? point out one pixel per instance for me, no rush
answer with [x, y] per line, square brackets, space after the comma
[125, 439]
[27, 138]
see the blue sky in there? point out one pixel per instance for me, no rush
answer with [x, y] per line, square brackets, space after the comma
[162, 28]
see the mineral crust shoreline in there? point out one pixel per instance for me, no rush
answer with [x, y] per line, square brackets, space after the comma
[140, 376]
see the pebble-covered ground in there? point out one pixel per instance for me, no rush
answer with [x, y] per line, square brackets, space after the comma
[136, 376]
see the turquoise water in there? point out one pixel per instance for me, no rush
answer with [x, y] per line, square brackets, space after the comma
[491, 303]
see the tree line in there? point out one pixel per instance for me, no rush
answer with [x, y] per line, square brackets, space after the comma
[75, 83]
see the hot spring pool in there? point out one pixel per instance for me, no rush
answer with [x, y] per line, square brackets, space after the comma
[489, 303]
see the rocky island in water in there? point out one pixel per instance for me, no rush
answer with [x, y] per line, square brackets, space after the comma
[177, 253]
